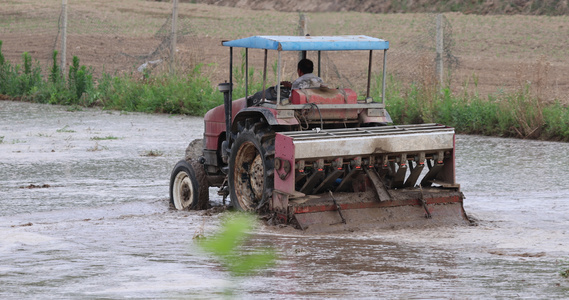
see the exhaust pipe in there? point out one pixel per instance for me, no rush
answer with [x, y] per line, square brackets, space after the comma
[226, 88]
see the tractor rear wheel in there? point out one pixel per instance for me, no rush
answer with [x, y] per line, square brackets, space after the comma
[251, 166]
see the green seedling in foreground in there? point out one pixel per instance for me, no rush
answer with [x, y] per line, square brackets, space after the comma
[227, 246]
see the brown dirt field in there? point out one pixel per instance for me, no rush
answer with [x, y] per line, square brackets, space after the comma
[496, 53]
[532, 7]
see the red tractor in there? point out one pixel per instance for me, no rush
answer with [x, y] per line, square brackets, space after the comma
[316, 157]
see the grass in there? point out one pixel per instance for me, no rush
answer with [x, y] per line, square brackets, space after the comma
[96, 148]
[564, 272]
[65, 129]
[98, 138]
[517, 114]
[521, 113]
[189, 94]
[152, 153]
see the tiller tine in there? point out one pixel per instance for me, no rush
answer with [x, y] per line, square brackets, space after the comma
[328, 181]
[416, 170]
[433, 170]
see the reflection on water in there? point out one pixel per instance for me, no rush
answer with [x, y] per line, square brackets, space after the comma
[103, 229]
[368, 268]
[488, 164]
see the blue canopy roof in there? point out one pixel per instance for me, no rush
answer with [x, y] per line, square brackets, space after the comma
[311, 43]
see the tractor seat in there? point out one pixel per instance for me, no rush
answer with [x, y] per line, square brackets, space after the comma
[323, 95]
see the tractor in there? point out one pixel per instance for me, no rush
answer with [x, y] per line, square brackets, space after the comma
[320, 158]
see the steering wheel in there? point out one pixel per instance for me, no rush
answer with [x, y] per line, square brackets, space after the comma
[285, 91]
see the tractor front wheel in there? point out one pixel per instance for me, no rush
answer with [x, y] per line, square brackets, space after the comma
[183, 186]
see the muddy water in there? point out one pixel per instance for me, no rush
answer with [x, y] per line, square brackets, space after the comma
[84, 214]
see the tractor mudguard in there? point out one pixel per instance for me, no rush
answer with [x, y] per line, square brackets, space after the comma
[272, 116]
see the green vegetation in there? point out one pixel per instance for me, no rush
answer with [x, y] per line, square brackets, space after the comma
[190, 94]
[229, 246]
[80, 79]
[152, 153]
[19, 79]
[96, 147]
[564, 268]
[65, 129]
[521, 113]
[98, 138]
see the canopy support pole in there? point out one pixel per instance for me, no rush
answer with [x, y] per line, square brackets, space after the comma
[246, 72]
[384, 75]
[265, 76]
[279, 78]
[369, 73]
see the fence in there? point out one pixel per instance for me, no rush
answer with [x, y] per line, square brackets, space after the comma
[99, 40]
[131, 36]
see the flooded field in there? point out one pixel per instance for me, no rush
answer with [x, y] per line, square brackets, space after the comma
[84, 214]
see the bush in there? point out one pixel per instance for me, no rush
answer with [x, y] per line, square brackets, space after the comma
[17, 81]
[518, 114]
[191, 94]
[80, 80]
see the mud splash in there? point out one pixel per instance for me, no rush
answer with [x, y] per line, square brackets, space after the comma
[103, 228]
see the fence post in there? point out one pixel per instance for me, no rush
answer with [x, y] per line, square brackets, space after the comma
[440, 49]
[173, 36]
[63, 35]
[302, 31]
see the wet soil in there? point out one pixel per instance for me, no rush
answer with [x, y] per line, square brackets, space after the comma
[103, 228]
